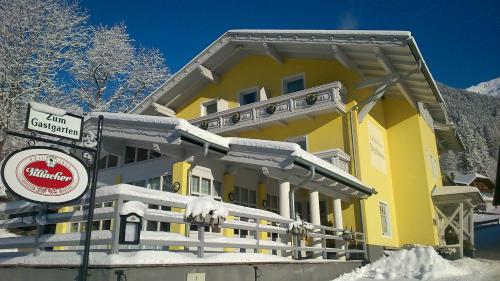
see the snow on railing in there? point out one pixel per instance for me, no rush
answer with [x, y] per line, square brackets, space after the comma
[172, 214]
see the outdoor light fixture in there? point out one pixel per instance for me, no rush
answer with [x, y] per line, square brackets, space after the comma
[176, 186]
[130, 229]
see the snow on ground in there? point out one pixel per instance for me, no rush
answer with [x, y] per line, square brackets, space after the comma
[424, 263]
[134, 258]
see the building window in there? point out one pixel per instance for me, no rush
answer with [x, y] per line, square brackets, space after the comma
[209, 107]
[108, 161]
[301, 141]
[204, 186]
[385, 218]
[293, 84]
[245, 197]
[162, 183]
[248, 96]
[272, 203]
[96, 225]
[138, 154]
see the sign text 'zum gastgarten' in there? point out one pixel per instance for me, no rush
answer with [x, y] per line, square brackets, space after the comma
[54, 121]
[45, 175]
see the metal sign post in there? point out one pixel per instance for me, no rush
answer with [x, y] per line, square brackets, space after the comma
[90, 218]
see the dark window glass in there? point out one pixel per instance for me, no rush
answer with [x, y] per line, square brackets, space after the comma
[248, 98]
[167, 183]
[141, 183]
[217, 188]
[302, 144]
[294, 85]
[106, 225]
[95, 225]
[112, 161]
[129, 154]
[152, 226]
[154, 154]
[211, 108]
[164, 226]
[165, 208]
[154, 183]
[142, 154]
[102, 163]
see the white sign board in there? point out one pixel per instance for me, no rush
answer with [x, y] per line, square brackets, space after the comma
[44, 175]
[49, 120]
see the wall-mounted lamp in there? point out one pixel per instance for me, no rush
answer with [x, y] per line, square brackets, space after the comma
[176, 186]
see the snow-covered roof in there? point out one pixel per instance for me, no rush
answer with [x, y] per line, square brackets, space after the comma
[457, 193]
[280, 157]
[469, 178]
[367, 52]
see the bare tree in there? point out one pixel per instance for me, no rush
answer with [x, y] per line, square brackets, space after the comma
[113, 75]
[37, 41]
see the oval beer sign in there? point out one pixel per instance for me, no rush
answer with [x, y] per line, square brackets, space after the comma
[45, 175]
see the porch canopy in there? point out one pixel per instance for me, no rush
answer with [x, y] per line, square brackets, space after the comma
[285, 161]
[454, 207]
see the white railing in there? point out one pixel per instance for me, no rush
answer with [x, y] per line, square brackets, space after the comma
[21, 214]
[320, 99]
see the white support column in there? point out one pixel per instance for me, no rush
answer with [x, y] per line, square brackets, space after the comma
[314, 207]
[315, 219]
[284, 199]
[338, 223]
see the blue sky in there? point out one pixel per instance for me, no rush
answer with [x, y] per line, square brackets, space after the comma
[460, 40]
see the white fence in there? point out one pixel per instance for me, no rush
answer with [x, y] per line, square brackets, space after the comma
[326, 242]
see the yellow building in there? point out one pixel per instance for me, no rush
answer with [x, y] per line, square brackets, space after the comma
[385, 126]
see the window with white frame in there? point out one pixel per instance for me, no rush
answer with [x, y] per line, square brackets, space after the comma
[249, 96]
[96, 225]
[245, 197]
[385, 218]
[162, 183]
[293, 83]
[205, 186]
[107, 161]
[300, 140]
[209, 107]
[139, 154]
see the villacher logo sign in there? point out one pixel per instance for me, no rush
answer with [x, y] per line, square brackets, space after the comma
[45, 175]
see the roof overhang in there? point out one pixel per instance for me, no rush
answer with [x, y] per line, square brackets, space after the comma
[281, 160]
[457, 194]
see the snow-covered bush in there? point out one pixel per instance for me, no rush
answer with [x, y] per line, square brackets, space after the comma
[205, 210]
[300, 227]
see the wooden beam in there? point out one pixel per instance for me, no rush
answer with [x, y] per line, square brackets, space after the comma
[345, 61]
[377, 81]
[273, 53]
[389, 68]
[208, 74]
[163, 110]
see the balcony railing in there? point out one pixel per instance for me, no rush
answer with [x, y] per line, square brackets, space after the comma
[22, 214]
[308, 102]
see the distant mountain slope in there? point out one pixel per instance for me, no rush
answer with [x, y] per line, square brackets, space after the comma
[491, 87]
[478, 122]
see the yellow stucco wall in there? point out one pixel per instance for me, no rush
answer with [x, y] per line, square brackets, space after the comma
[414, 142]
[404, 143]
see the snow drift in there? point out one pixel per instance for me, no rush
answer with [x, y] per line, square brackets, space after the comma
[421, 263]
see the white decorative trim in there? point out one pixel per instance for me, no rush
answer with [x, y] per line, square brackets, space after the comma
[330, 98]
[335, 156]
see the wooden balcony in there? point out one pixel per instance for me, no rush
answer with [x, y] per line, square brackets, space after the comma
[277, 110]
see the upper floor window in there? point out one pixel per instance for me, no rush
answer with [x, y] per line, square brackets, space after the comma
[209, 107]
[272, 203]
[293, 83]
[249, 96]
[385, 218]
[108, 161]
[138, 154]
